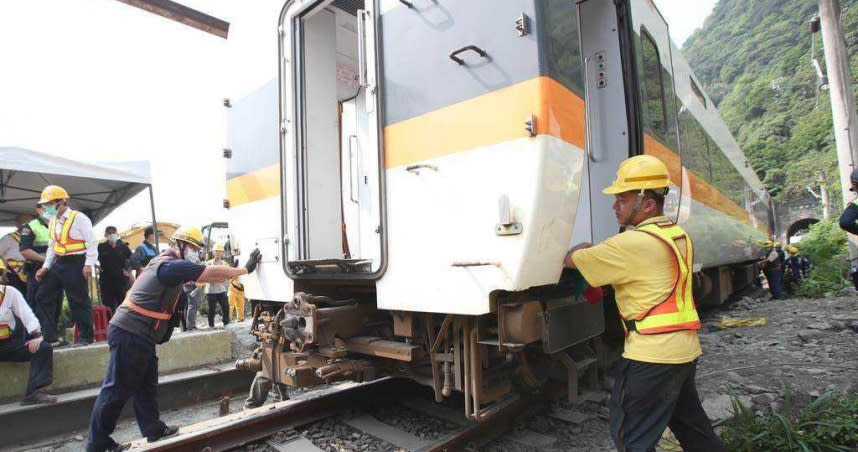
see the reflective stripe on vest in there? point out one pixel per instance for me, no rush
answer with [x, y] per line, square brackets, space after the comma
[676, 312]
[63, 244]
[5, 329]
[146, 312]
[42, 234]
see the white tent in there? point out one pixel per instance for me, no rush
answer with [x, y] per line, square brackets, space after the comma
[96, 189]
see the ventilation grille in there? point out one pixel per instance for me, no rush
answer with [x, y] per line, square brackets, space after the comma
[349, 6]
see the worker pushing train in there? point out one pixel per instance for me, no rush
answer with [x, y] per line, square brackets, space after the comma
[146, 318]
[70, 258]
[650, 268]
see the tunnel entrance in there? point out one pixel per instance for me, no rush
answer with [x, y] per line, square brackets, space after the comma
[799, 229]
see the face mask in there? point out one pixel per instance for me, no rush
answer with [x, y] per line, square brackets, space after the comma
[49, 212]
[113, 238]
[192, 255]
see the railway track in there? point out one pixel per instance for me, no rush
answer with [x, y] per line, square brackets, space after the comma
[273, 427]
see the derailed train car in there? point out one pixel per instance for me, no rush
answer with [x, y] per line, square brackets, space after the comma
[431, 162]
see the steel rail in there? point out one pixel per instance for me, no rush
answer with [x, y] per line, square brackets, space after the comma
[260, 423]
[246, 427]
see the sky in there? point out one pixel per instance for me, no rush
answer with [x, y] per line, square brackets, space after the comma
[98, 80]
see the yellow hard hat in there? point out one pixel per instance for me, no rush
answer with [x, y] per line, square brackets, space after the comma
[53, 193]
[792, 249]
[777, 244]
[189, 234]
[769, 244]
[641, 172]
[217, 247]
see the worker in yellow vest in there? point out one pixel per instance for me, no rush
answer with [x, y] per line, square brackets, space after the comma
[71, 255]
[649, 266]
[10, 252]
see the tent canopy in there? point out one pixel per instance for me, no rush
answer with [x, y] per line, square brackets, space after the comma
[96, 189]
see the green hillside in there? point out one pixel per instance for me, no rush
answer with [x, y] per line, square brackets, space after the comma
[754, 57]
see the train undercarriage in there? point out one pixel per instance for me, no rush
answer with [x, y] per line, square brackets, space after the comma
[542, 339]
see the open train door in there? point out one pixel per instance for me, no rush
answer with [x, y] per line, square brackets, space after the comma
[618, 39]
[609, 138]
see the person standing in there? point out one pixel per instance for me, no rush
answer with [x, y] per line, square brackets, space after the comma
[148, 317]
[216, 292]
[34, 246]
[71, 256]
[145, 251]
[10, 252]
[650, 268]
[775, 265]
[21, 341]
[849, 222]
[236, 299]
[113, 256]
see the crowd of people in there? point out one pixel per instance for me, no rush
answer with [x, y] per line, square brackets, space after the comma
[52, 256]
[783, 270]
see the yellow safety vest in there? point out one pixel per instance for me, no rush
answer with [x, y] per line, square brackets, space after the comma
[5, 329]
[63, 244]
[676, 312]
[14, 264]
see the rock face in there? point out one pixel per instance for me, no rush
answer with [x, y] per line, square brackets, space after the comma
[720, 407]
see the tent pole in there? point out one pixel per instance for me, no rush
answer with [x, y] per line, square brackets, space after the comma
[154, 222]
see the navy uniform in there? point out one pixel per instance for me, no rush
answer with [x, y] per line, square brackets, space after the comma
[146, 318]
[73, 245]
[35, 237]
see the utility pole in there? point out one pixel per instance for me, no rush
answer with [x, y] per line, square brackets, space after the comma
[842, 102]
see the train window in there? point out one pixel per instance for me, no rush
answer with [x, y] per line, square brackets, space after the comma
[561, 43]
[655, 110]
[697, 92]
[695, 147]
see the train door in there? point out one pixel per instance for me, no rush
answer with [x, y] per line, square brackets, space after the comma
[608, 136]
[330, 147]
[656, 93]
[631, 106]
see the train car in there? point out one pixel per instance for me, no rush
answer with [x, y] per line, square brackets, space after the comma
[430, 163]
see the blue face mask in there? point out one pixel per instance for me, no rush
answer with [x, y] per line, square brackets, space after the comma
[49, 212]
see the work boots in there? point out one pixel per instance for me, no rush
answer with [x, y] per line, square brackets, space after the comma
[39, 396]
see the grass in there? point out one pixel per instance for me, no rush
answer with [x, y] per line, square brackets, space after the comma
[828, 424]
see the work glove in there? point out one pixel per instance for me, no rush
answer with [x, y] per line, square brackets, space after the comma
[253, 260]
[593, 295]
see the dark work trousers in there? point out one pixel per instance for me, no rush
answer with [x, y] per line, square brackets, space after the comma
[776, 283]
[218, 299]
[14, 349]
[648, 397]
[113, 290]
[14, 281]
[65, 275]
[131, 372]
[32, 290]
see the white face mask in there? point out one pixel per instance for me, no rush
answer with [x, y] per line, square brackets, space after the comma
[113, 238]
[192, 255]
